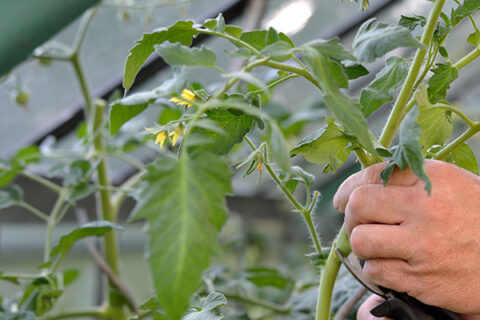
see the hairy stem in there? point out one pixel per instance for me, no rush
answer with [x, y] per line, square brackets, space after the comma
[395, 117]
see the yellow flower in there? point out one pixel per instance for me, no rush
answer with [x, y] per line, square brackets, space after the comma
[160, 139]
[174, 135]
[259, 165]
[189, 97]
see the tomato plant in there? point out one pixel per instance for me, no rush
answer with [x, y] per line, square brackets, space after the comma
[181, 194]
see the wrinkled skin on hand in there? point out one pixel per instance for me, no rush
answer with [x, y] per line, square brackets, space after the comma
[426, 246]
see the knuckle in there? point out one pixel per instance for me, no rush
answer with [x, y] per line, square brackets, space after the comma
[356, 200]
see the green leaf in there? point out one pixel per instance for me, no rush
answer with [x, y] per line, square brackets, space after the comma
[278, 147]
[382, 89]
[124, 109]
[214, 300]
[78, 172]
[412, 22]
[11, 279]
[91, 229]
[26, 155]
[262, 277]
[319, 259]
[435, 122]
[181, 32]
[354, 71]
[279, 51]
[474, 38]
[444, 75]
[332, 49]
[236, 125]
[374, 40]
[464, 157]
[176, 54]
[408, 152]
[80, 191]
[464, 10]
[184, 203]
[168, 114]
[325, 146]
[346, 109]
[10, 197]
[258, 39]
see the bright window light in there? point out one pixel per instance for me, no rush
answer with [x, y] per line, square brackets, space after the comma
[291, 17]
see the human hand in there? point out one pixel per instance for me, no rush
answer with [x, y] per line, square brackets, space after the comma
[426, 246]
[372, 301]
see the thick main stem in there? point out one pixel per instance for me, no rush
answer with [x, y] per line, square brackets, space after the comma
[105, 207]
[395, 117]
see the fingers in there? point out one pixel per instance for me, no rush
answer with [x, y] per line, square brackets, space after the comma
[371, 241]
[364, 310]
[378, 204]
[370, 175]
[389, 273]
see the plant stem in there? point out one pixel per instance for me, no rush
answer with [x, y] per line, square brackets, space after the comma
[277, 180]
[457, 112]
[105, 203]
[119, 196]
[47, 183]
[83, 82]
[395, 117]
[467, 59]
[33, 210]
[457, 142]
[51, 223]
[329, 274]
[307, 215]
[261, 303]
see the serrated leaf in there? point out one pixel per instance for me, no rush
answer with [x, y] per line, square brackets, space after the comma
[435, 122]
[464, 10]
[382, 89]
[278, 150]
[346, 109]
[373, 40]
[183, 223]
[464, 157]
[235, 126]
[332, 49]
[439, 83]
[91, 229]
[408, 152]
[181, 32]
[325, 146]
[176, 54]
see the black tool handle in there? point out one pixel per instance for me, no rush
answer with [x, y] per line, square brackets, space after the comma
[404, 307]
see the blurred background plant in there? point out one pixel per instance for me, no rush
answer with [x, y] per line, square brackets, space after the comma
[262, 269]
